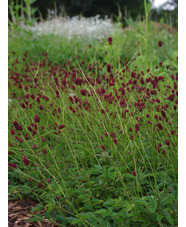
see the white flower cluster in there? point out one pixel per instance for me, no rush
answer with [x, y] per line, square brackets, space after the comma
[91, 28]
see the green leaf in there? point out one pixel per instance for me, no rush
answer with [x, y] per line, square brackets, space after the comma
[39, 216]
[76, 220]
[108, 202]
[82, 197]
[33, 219]
[151, 209]
[168, 217]
[87, 207]
[145, 224]
[94, 172]
[107, 213]
[47, 215]
[111, 168]
[37, 208]
[101, 211]
[100, 220]
[153, 204]
[72, 219]
[166, 200]
[130, 207]
[142, 202]
[60, 217]
[114, 214]
[87, 215]
[97, 201]
[158, 218]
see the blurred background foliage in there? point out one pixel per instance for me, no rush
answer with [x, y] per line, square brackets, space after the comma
[117, 9]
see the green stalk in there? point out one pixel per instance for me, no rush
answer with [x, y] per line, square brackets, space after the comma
[146, 23]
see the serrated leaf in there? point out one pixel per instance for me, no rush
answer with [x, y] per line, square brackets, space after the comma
[166, 200]
[159, 217]
[130, 207]
[87, 215]
[152, 209]
[107, 213]
[101, 211]
[98, 167]
[33, 219]
[60, 217]
[111, 168]
[145, 224]
[47, 215]
[114, 214]
[97, 201]
[72, 219]
[108, 202]
[37, 208]
[153, 202]
[168, 217]
[87, 207]
[39, 216]
[78, 220]
[141, 202]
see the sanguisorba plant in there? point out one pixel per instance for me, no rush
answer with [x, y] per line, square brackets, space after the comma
[96, 145]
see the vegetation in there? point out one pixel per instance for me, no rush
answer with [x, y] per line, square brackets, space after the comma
[93, 126]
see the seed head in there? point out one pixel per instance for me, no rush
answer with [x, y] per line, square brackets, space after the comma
[134, 173]
[159, 125]
[44, 151]
[103, 148]
[112, 134]
[160, 43]
[110, 40]
[37, 119]
[137, 127]
[167, 142]
[25, 160]
[61, 126]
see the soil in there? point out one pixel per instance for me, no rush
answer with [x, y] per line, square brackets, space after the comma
[19, 213]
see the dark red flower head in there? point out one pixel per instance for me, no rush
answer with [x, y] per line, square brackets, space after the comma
[12, 132]
[134, 173]
[159, 125]
[110, 40]
[167, 142]
[108, 68]
[40, 107]
[163, 114]
[12, 165]
[103, 148]
[25, 160]
[160, 43]
[137, 127]
[37, 119]
[16, 125]
[61, 126]
[83, 92]
[102, 111]
[44, 151]
[40, 185]
[112, 134]
[115, 141]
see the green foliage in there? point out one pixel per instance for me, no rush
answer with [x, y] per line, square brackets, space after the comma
[77, 182]
[21, 14]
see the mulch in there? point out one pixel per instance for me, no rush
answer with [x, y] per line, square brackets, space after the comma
[19, 213]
